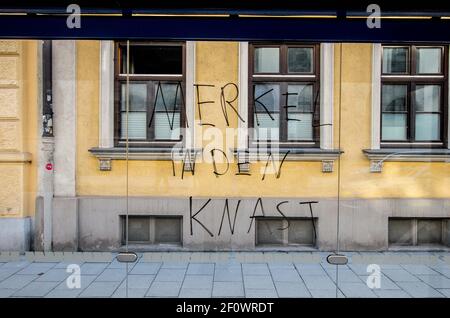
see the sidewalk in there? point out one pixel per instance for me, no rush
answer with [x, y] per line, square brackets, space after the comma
[222, 274]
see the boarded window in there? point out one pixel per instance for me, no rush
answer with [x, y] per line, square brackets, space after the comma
[152, 230]
[418, 231]
[279, 231]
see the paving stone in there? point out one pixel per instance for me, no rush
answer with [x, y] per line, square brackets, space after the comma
[326, 293]
[435, 281]
[146, 268]
[36, 268]
[292, 290]
[258, 282]
[195, 293]
[285, 275]
[445, 292]
[255, 269]
[175, 265]
[310, 269]
[16, 264]
[65, 264]
[419, 270]
[261, 293]
[228, 289]
[137, 281]
[344, 276]
[419, 289]
[228, 274]
[164, 289]
[17, 281]
[356, 290]
[64, 293]
[92, 268]
[132, 293]
[400, 275]
[6, 292]
[100, 289]
[7, 272]
[318, 282]
[198, 282]
[384, 293]
[112, 275]
[85, 281]
[170, 275]
[385, 283]
[35, 289]
[53, 275]
[200, 269]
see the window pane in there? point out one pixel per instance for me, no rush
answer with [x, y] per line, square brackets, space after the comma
[137, 125]
[137, 97]
[267, 128]
[303, 100]
[168, 95]
[394, 127]
[269, 231]
[267, 60]
[394, 98]
[138, 229]
[427, 127]
[268, 96]
[395, 60]
[167, 230]
[428, 60]
[400, 231]
[163, 122]
[300, 60]
[300, 127]
[153, 59]
[429, 231]
[427, 98]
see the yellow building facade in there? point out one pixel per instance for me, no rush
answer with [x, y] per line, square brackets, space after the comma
[349, 188]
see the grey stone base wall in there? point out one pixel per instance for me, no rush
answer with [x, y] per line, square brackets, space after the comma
[94, 223]
[15, 234]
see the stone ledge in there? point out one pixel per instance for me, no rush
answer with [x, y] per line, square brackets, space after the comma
[15, 157]
[378, 156]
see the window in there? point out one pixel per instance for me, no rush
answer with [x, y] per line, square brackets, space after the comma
[420, 231]
[156, 93]
[413, 95]
[278, 231]
[284, 94]
[152, 230]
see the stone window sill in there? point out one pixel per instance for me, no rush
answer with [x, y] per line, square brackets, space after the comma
[326, 156]
[378, 156]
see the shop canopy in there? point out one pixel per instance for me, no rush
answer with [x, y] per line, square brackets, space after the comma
[300, 20]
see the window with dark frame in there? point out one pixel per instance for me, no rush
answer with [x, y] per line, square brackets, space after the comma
[413, 96]
[156, 74]
[284, 94]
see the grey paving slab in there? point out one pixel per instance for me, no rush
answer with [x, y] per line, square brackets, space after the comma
[356, 290]
[36, 268]
[344, 275]
[326, 293]
[200, 269]
[292, 290]
[383, 293]
[137, 281]
[65, 264]
[228, 289]
[170, 275]
[130, 293]
[16, 264]
[164, 289]
[17, 281]
[385, 283]
[285, 275]
[261, 293]
[64, 293]
[54, 275]
[85, 281]
[112, 275]
[7, 272]
[255, 269]
[359, 269]
[445, 292]
[195, 293]
[318, 282]
[198, 282]
[6, 292]
[435, 281]
[175, 265]
[230, 274]
[444, 270]
[419, 289]
[400, 275]
[146, 268]
[419, 269]
[92, 268]
[258, 282]
[310, 269]
[100, 289]
[35, 289]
